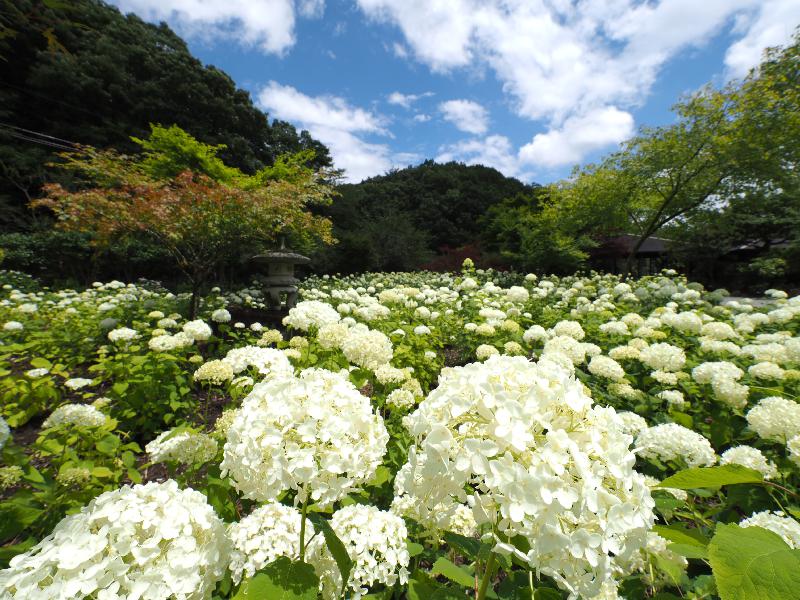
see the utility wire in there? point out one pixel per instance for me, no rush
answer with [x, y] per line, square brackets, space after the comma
[38, 141]
[38, 134]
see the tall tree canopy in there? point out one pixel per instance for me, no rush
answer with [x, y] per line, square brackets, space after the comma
[80, 71]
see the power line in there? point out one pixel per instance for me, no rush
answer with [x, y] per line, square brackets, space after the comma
[38, 133]
[38, 141]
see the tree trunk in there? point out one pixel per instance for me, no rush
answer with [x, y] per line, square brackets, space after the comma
[194, 301]
[631, 255]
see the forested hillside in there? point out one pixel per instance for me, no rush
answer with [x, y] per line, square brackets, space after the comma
[80, 71]
[401, 220]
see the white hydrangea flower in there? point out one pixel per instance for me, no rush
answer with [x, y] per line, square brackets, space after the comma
[539, 460]
[615, 328]
[185, 447]
[37, 373]
[13, 326]
[367, 348]
[198, 330]
[150, 541]
[717, 330]
[221, 315]
[266, 534]
[663, 357]
[604, 366]
[484, 351]
[315, 434]
[572, 329]
[122, 334]
[167, 343]
[485, 330]
[775, 418]
[777, 522]
[673, 397]
[632, 424]
[167, 323]
[707, 371]
[375, 540]
[82, 415]
[216, 372]
[670, 441]
[566, 345]
[766, 370]
[77, 383]
[534, 333]
[387, 374]
[311, 313]
[332, 335]
[269, 362]
[749, 457]
[517, 294]
[400, 399]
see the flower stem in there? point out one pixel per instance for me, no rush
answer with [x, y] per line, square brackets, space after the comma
[303, 512]
[487, 576]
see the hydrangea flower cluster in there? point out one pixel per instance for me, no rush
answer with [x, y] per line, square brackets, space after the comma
[77, 383]
[673, 442]
[148, 541]
[267, 361]
[221, 315]
[367, 348]
[198, 330]
[82, 415]
[541, 462]
[777, 522]
[122, 334]
[185, 447]
[663, 357]
[775, 418]
[375, 540]
[311, 313]
[315, 434]
[749, 457]
[215, 372]
[266, 534]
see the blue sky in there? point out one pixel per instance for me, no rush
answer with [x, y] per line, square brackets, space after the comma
[530, 87]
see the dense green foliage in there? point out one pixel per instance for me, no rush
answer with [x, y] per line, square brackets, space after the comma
[82, 72]
[399, 220]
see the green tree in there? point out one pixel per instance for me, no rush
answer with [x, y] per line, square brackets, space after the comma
[82, 72]
[202, 219]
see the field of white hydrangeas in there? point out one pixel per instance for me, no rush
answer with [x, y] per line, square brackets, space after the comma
[403, 435]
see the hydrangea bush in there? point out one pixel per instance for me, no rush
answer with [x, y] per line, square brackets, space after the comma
[400, 435]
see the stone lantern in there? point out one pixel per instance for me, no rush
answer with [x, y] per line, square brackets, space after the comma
[280, 279]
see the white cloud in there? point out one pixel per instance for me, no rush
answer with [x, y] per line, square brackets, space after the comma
[406, 100]
[422, 118]
[562, 61]
[266, 24]
[399, 50]
[772, 25]
[466, 115]
[312, 9]
[336, 124]
[493, 151]
[577, 137]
